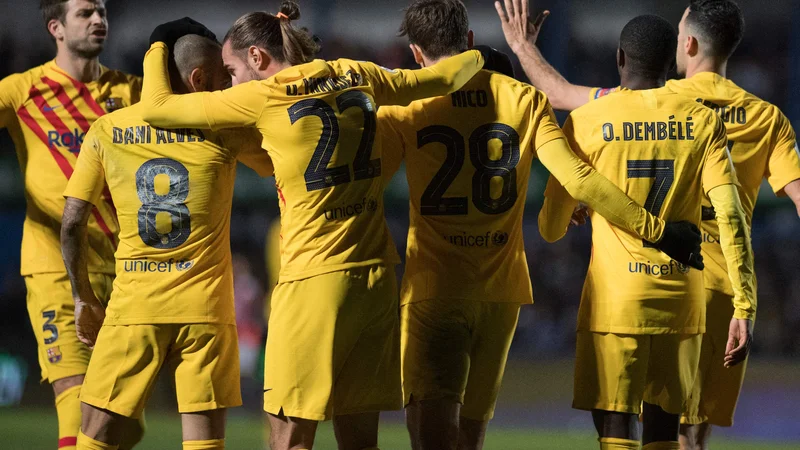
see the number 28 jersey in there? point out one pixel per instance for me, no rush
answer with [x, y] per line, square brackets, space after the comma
[666, 152]
[173, 191]
[468, 159]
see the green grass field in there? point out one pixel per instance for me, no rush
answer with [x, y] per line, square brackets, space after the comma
[36, 430]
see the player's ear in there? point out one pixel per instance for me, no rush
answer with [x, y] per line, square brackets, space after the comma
[257, 58]
[691, 46]
[56, 29]
[418, 58]
[620, 58]
[470, 39]
[198, 81]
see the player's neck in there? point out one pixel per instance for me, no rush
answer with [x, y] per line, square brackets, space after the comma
[640, 83]
[82, 69]
[433, 62]
[719, 67]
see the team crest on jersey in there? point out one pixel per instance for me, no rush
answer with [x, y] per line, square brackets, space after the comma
[54, 354]
[113, 104]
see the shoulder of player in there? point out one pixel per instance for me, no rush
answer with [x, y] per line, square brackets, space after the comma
[117, 77]
[19, 84]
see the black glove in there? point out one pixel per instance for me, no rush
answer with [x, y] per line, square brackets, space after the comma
[681, 242]
[495, 60]
[170, 32]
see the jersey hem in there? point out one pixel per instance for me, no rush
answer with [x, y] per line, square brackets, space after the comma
[645, 330]
[388, 262]
[471, 299]
[167, 320]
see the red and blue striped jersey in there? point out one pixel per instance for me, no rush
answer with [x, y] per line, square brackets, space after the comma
[48, 113]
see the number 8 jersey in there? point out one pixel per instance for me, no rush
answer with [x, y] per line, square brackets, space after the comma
[173, 191]
[666, 152]
[468, 158]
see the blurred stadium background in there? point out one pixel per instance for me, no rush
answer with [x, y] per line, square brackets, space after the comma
[534, 411]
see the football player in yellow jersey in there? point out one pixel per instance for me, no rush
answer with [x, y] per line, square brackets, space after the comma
[642, 316]
[172, 301]
[762, 145]
[48, 110]
[334, 340]
[466, 273]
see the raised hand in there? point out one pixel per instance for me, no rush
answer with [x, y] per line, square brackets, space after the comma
[517, 26]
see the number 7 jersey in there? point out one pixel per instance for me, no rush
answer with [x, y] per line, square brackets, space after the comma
[173, 190]
[666, 152]
[468, 158]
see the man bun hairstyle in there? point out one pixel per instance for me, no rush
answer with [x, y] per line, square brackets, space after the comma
[649, 44]
[276, 34]
[719, 23]
[438, 27]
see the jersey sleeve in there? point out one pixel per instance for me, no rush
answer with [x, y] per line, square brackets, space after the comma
[545, 122]
[734, 237]
[587, 185]
[10, 93]
[239, 106]
[136, 88]
[88, 179]
[556, 211]
[718, 167]
[401, 86]
[393, 149]
[783, 166]
[247, 143]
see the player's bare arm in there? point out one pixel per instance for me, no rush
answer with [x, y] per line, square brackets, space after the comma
[89, 312]
[521, 35]
[792, 190]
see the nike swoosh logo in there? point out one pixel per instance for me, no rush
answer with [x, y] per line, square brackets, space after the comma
[49, 108]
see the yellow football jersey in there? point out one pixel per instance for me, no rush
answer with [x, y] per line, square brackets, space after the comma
[468, 158]
[173, 190]
[762, 145]
[48, 114]
[317, 121]
[666, 152]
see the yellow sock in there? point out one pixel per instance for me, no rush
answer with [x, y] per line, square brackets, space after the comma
[87, 443]
[619, 444]
[68, 409]
[210, 444]
[663, 445]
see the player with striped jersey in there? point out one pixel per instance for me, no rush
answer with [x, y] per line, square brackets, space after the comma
[48, 110]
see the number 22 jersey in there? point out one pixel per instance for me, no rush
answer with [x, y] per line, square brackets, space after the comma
[468, 158]
[173, 190]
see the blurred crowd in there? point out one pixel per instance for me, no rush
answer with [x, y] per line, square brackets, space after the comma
[545, 329]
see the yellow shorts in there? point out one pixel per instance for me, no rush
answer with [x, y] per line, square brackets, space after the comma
[457, 349]
[52, 314]
[333, 345]
[615, 372]
[203, 358]
[716, 389]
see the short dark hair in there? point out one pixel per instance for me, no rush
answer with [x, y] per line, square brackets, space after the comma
[719, 21]
[53, 10]
[275, 34]
[649, 44]
[438, 27]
